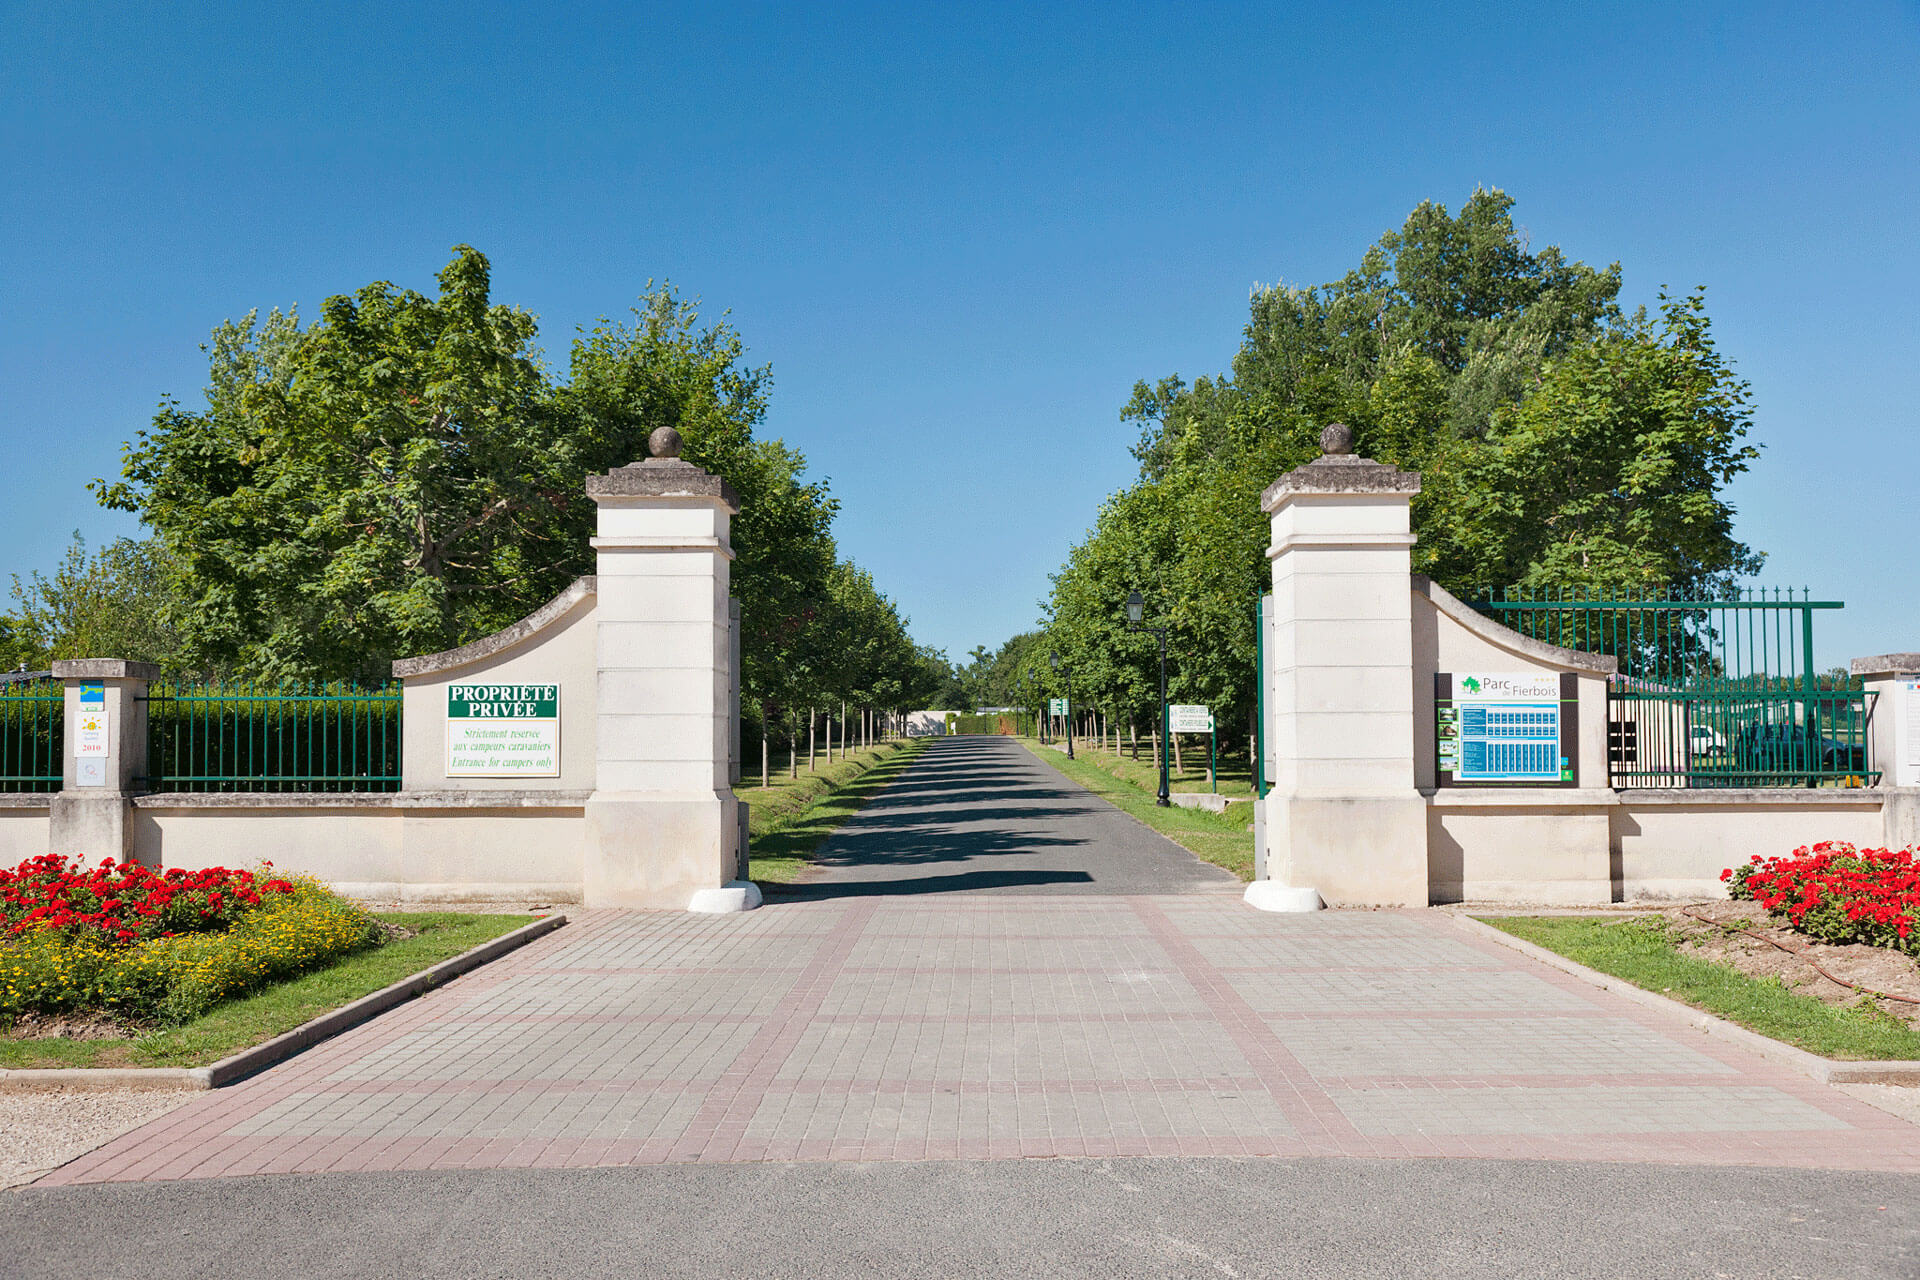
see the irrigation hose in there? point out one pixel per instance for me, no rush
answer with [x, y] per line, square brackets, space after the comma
[1802, 956]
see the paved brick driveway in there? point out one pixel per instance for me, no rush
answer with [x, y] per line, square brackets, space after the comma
[952, 1025]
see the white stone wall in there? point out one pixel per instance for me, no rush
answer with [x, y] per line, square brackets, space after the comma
[393, 847]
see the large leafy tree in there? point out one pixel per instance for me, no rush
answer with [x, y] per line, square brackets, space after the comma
[385, 481]
[1561, 442]
[404, 475]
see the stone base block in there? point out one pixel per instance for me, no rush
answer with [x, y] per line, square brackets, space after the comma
[657, 849]
[1363, 851]
[1198, 800]
[734, 895]
[1901, 815]
[1268, 896]
[90, 826]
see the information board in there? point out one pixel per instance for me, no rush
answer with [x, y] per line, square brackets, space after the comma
[503, 731]
[1906, 729]
[1056, 706]
[1187, 718]
[1506, 728]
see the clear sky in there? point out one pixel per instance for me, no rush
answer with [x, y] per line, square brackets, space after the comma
[960, 234]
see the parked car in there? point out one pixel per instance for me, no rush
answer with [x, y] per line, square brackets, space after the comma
[1706, 740]
[1793, 755]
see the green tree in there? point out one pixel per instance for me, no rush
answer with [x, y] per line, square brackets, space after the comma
[384, 482]
[1610, 474]
[1559, 442]
[119, 603]
[403, 476]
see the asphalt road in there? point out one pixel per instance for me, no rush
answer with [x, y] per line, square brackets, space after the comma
[982, 815]
[1149, 1217]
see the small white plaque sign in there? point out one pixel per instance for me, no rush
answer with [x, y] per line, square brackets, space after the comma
[90, 732]
[1188, 718]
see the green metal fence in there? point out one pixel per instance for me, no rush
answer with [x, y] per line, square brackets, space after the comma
[321, 738]
[1711, 692]
[32, 735]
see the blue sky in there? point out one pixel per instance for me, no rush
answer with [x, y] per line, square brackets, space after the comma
[959, 235]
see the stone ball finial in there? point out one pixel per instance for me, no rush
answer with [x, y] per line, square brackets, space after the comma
[1336, 438]
[663, 442]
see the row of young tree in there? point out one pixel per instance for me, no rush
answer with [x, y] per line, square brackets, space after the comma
[406, 474]
[1562, 442]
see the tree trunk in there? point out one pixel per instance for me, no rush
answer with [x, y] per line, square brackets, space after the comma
[765, 779]
[1174, 740]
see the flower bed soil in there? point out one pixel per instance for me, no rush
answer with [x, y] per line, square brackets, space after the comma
[72, 1025]
[1875, 968]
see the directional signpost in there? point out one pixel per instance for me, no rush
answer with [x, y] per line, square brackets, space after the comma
[1190, 718]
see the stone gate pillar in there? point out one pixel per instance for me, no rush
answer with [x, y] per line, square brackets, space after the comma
[1343, 820]
[90, 818]
[1893, 681]
[662, 827]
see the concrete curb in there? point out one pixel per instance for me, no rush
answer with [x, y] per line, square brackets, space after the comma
[1825, 1070]
[260, 1056]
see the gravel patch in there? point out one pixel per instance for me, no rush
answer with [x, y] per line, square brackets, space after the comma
[45, 1128]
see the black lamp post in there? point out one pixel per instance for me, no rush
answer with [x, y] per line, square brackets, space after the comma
[1135, 607]
[1054, 660]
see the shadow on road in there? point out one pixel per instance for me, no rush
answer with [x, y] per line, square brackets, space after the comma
[984, 815]
[956, 882]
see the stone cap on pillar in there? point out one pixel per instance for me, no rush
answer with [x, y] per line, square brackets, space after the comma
[104, 669]
[1886, 665]
[1339, 470]
[664, 475]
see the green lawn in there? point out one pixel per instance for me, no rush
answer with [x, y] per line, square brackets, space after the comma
[1222, 839]
[240, 1023]
[1642, 952]
[1235, 780]
[789, 820]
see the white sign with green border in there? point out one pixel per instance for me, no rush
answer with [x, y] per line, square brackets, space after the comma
[503, 731]
[1187, 718]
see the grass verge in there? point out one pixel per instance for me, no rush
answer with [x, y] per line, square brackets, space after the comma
[1233, 780]
[1222, 839]
[797, 819]
[1643, 952]
[239, 1023]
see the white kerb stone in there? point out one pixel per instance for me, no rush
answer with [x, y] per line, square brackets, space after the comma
[734, 895]
[1268, 895]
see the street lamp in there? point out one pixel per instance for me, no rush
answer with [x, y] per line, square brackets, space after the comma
[1054, 660]
[1135, 609]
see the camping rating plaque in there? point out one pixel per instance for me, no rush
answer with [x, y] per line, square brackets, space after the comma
[503, 731]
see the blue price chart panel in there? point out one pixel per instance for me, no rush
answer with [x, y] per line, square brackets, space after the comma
[1509, 742]
[1513, 728]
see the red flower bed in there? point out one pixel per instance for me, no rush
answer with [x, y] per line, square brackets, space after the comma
[1837, 893]
[124, 903]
